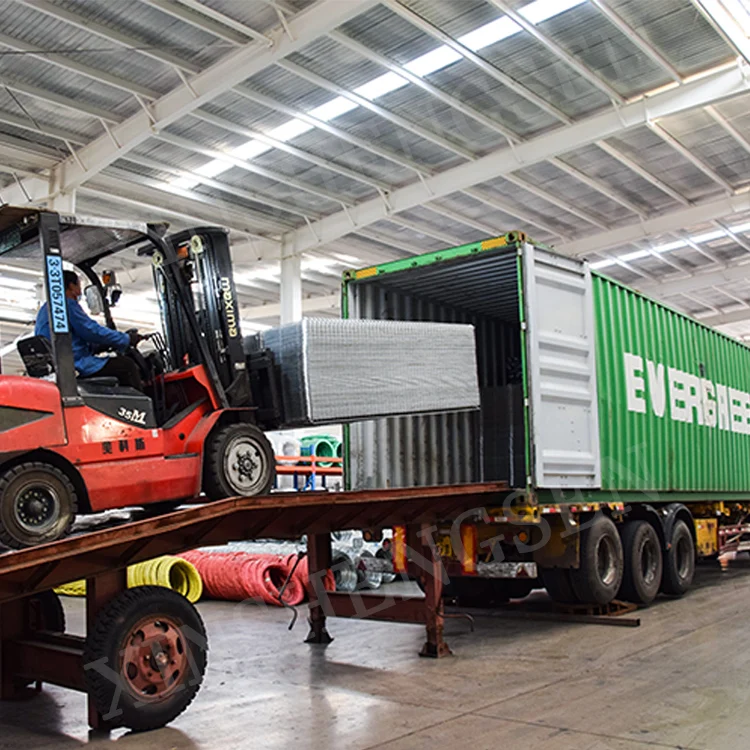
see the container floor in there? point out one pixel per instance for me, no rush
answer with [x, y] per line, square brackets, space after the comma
[678, 681]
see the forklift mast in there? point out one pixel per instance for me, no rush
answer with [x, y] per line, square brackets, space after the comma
[202, 260]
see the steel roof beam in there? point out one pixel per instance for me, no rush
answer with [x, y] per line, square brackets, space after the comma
[223, 186]
[418, 228]
[312, 22]
[153, 193]
[687, 154]
[729, 128]
[391, 117]
[570, 60]
[424, 84]
[464, 109]
[635, 38]
[33, 126]
[110, 34]
[207, 19]
[737, 271]
[666, 224]
[497, 204]
[309, 304]
[633, 166]
[66, 63]
[739, 241]
[555, 201]
[727, 318]
[233, 127]
[384, 153]
[250, 166]
[485, 66]
[597, 186]
[481, 226]
[725, 83]
[60, 101]
[726, 24]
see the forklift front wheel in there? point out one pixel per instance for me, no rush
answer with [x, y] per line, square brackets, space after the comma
[239, 462]
[37, 504]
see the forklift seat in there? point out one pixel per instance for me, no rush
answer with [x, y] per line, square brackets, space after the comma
[104, 394]
[36, 353]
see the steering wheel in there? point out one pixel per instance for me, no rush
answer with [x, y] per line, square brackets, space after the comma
[140, 360]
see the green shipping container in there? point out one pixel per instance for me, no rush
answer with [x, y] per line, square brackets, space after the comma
[589, 389]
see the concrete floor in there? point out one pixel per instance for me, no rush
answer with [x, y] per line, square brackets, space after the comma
[678, 681]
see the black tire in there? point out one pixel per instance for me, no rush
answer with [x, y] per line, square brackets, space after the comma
[599, 576]
[642, 573]
[679, 561]
[159, 509]
[120, 629]
[558, 585]
[46, 612]
[38, 504]
[239, 462]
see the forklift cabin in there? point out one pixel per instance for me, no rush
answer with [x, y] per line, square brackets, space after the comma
[73, 445]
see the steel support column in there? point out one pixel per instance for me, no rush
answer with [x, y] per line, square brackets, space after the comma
[291, 289]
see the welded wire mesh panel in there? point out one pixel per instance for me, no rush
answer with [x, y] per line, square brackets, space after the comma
[350, 370]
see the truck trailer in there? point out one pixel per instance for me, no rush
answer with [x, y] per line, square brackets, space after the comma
[621, 425]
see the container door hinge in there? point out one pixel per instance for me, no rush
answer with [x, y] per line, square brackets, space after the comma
[523, 325]
[526, 403]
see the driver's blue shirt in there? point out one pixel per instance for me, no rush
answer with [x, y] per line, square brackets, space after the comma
[87, 335]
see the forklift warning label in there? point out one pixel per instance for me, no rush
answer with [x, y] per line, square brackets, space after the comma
[652, 387]
[57, 304]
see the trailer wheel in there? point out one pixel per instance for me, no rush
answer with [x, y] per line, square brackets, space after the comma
[643, 562]
[38, 504]
[558, 585]
[239, 461]
[46, 612]
[599, 576]
[145, 657]
[679, 561]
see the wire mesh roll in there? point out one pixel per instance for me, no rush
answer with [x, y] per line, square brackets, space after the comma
[344, 572]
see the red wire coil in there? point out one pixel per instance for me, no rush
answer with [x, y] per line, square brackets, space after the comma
[237, 576]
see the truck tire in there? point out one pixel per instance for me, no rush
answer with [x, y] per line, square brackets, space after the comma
[38, 504]
[642, 573]
[558, 585]
[239, 462]
[679, 561]
[599, 576]
[145, 658]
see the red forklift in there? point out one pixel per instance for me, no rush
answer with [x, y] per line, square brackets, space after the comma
[72, 446]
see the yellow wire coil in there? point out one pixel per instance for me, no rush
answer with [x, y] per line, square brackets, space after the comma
[170, 572]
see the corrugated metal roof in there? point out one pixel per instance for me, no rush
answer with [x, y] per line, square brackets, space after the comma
[678, 30]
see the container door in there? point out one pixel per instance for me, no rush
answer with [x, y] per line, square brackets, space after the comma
[561, 371]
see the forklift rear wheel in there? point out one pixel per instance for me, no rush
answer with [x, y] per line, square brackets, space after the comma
[145, 658]
[239, 461]
[38, 504]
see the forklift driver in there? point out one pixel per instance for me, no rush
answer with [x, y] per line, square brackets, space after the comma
[89, 337]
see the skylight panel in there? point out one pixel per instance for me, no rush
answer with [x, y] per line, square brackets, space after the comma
[439, 58]
[335, 108]
[381, 86]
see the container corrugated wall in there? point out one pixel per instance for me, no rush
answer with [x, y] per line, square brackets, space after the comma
[666, 421]
[439, 449]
